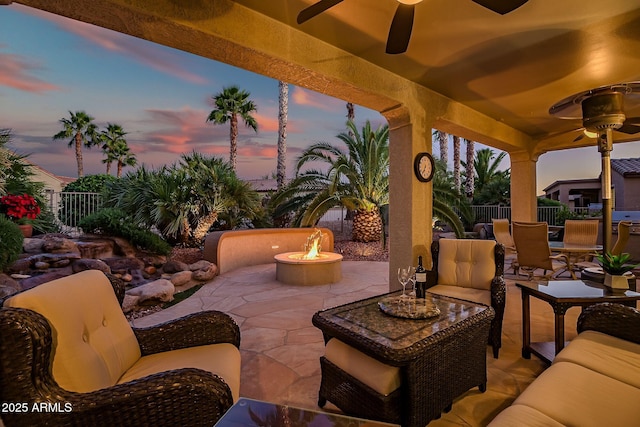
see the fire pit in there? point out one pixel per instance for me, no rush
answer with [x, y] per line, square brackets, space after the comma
[311, 267]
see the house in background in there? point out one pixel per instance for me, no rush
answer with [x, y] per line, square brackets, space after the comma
[53, 184]
[586, 193]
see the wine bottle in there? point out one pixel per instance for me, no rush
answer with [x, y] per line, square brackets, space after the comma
[421, 279]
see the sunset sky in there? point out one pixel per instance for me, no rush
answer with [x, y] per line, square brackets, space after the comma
[50, 65]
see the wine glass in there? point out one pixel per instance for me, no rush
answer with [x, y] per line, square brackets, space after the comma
[404, 276]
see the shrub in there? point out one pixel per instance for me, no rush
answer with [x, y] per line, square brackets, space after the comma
[10, 242]
[115, 222]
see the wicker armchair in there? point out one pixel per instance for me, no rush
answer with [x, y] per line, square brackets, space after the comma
[472, 270]
[67, 344]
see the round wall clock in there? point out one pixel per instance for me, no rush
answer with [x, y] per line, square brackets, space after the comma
[424, 167]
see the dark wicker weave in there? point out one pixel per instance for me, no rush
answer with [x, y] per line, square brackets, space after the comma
[182, 397]
[612, 319]
[498, 293]
[435, 369]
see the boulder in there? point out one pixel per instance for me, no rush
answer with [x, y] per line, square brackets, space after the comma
[96, 248]
[199, 265]
[123, 247]
[123, 265]
[160, 290]
[39, 279]
[172, 266]
[181, 278]
[59, 245]
[8, 286]
[83, 264]
[21, 266]
[129, 303]
[32, 246]
[41, 265]
[206, 273]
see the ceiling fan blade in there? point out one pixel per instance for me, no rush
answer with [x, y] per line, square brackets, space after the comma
[501, 6]
[400, 31]
[579, 137]
[316, 9]
[629, 126]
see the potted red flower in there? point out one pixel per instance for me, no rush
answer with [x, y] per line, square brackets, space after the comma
[20, 208]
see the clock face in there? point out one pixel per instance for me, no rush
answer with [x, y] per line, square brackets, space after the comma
[423, 166]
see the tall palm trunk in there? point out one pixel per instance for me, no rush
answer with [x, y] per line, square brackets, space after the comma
[204, 224]
[108, 168]
[367, 226]
[233, 141]
[351, 116]
[78, 147]
[283, 113]
[443, 141]
[456, 163]
[119, 173]
[470, 182]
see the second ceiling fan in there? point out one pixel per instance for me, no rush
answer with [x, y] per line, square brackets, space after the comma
[402, 23]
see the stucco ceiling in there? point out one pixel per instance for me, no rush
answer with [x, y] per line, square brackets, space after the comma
[511, 67]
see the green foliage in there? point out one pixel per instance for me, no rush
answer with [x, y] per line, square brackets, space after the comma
[564, 214]
[491, 185]
[115, 222]
[10, 242]
[90, 183]
[616, 265]
[448, 205]
[184, 200]
[543, 201]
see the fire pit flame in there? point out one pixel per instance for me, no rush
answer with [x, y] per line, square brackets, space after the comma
[312, 247]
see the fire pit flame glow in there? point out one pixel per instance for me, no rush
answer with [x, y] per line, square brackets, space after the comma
[312, 247]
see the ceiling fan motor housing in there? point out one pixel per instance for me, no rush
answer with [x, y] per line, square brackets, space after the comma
[603, 110]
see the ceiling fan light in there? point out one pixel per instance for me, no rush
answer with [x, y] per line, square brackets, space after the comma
[590, 134]
[409, 1]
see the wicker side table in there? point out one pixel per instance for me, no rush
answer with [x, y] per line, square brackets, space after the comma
[439, 358]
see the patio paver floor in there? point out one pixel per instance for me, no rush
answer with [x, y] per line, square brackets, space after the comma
[281, 349]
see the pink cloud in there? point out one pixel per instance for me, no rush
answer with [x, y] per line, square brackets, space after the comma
[156, 58]
[309, 98]
[14, 73]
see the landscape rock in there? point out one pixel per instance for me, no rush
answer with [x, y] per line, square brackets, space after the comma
[160, 290]
[57, 245]
[181, 278]
[129, 303]
[173, 266]
[32, 246]
[61, 263]
[52, 258]
[199, 265]
[96, 248]
[39, 279]
[90, 264]
[127, 277]
[21, 266]
[123, 265]
[206, 273]
[41, 265]
[8, 286]
[123, 247]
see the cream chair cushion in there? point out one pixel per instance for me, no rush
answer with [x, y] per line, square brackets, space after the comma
[221, 359]
[381, 377]
[515, 415]
[611, 356]
[466, 263]
[93, 344]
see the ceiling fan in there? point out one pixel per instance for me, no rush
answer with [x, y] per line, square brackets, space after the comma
[602, 108]
[402, 24]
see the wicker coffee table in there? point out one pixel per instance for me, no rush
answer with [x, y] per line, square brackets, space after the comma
[439, 358]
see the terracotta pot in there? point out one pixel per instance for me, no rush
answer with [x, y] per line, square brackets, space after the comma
[27, 229]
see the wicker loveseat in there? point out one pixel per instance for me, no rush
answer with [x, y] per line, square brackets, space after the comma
[68, 356]
[594, 381]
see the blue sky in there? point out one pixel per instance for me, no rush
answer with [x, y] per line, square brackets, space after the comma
[50, 65]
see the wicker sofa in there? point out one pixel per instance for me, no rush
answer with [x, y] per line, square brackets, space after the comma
[594, 381]
[66, 345]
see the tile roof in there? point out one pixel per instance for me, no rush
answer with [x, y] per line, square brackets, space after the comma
[626, 166]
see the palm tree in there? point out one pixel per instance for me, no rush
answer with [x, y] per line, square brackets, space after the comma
[443, 141]
[448, 206]
[231, 103]
[111, 137]
[124, 157]
[357, 178]
[283, 113]
[469, 185]
[82, 131]
[351, 115]
[456, 163]
[492, 185]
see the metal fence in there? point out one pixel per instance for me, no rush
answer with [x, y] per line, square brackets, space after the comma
[70, 207]
[548, 214]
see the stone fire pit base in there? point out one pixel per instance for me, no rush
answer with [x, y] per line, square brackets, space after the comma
[308, 272]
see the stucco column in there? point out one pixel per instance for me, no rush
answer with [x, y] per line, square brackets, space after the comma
[410, 207]
[524, 205]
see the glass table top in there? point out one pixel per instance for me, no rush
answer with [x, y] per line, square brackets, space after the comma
[575, 289]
